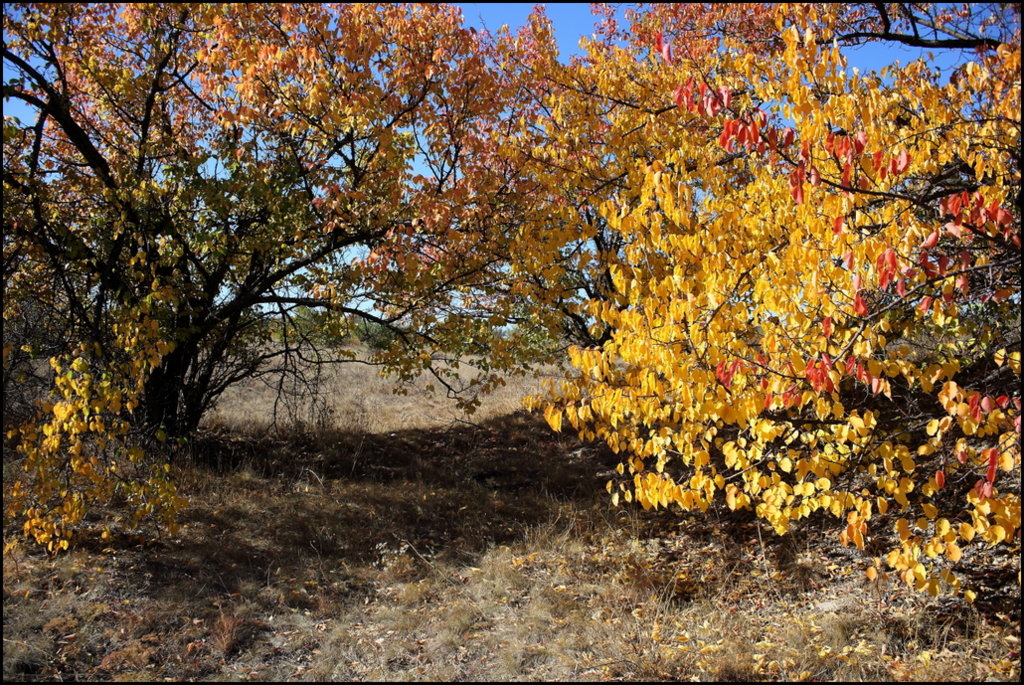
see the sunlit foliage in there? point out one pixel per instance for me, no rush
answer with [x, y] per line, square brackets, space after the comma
[816, 302]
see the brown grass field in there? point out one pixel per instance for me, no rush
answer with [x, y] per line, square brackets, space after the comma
[384, 537]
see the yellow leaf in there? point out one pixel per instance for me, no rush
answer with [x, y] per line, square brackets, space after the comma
[1007, 462]
[553, 417]
[903, 529]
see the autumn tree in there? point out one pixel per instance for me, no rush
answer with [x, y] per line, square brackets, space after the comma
[192, 181]
[815, 303]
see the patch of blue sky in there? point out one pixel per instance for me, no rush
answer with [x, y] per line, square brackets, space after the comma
[574, 20]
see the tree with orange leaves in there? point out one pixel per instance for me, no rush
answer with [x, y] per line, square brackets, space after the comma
[191, 175]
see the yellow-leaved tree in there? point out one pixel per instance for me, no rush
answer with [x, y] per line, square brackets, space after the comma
[813, 301]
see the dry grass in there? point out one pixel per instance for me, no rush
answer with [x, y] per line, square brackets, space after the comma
[354, 397]
[402, 547]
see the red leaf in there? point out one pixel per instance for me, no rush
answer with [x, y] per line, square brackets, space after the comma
[665, 49]
[975, 406]
[859, 306]
[931, 241]
[890, 258]
[860, 141]
[1000, 216]
[885, 279]
[954, 203]
[826, 326]
[900, 163]
[796, 184]
[837, 224]
[723, 374]
[926, 304]
[940, 478]
[726, 96]
[755, 133]
[954, 229]
[713, 104]
[926, 264]
[993, 460]
[725, 139]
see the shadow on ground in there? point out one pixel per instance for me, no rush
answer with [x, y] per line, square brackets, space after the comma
[383, 556]
[324, 510]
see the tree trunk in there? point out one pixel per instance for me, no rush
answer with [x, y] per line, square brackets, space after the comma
[169, 401]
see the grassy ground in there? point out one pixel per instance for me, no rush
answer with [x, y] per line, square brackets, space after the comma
[394, 542]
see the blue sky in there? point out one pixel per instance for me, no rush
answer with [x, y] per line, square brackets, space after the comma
[571, 20]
